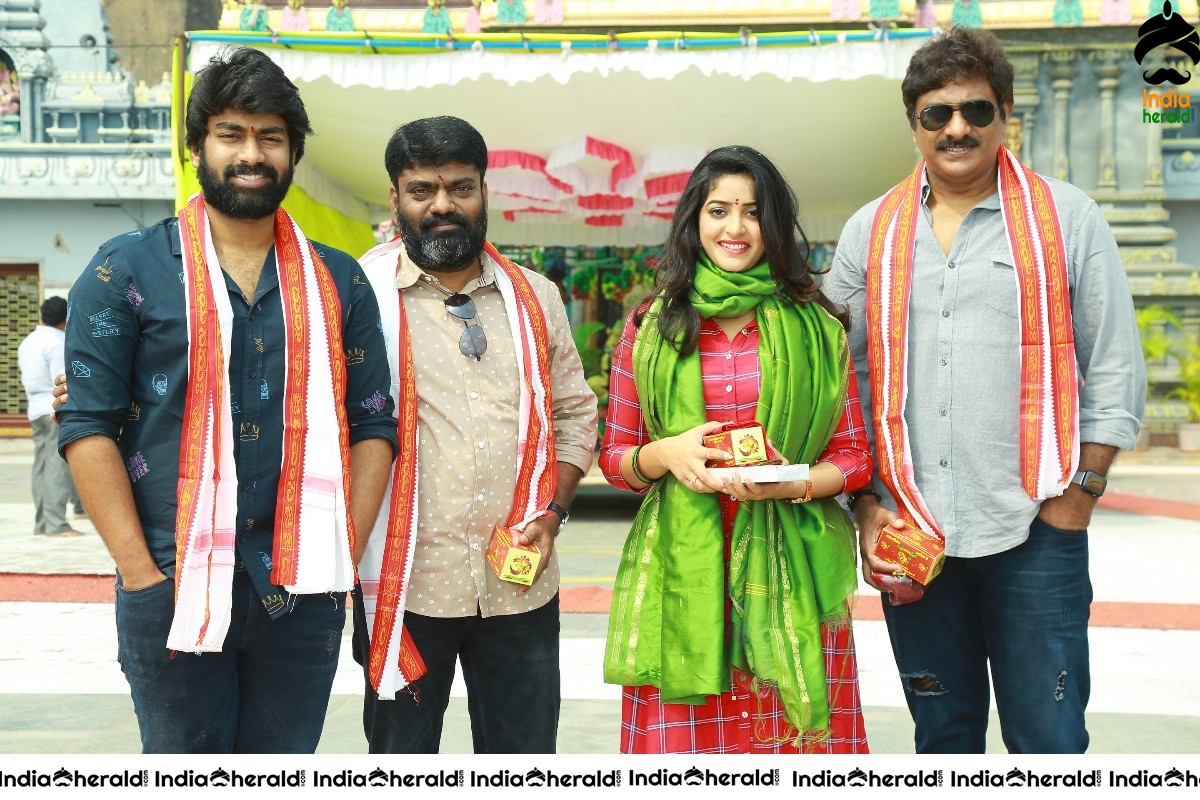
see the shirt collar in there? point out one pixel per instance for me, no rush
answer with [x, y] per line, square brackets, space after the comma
[173, 237]
[992, 201]
[409, 273]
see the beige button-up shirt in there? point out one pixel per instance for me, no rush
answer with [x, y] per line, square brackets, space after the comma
[467, 424]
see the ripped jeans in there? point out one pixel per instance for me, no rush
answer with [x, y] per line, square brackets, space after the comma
[1026, 611]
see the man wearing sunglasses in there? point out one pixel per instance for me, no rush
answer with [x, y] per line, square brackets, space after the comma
[497, 426]
[994, 338]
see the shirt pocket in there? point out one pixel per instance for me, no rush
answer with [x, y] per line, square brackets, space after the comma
[1002, 285]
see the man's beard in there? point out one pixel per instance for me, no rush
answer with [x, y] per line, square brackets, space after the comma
[449, 251]
[237, 203]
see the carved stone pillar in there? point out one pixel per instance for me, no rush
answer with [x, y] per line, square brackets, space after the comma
[1154, 173]
[1108, 78]
[1025, 105]
[1062, 77]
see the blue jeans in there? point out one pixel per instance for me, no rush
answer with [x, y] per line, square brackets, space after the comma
[1026, 611]
[267, 691]
[510, 666]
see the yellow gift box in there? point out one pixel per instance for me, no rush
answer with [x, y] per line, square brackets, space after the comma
[511, 560]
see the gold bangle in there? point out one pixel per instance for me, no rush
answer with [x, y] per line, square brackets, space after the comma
[807, 494]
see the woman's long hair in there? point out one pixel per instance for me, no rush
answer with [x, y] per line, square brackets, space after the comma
[785, 245]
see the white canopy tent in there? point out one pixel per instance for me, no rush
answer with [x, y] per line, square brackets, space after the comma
[829, 115]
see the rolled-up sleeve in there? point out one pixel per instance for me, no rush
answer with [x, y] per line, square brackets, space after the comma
[574, 403]
[369, 404]
[848, 449]
[1112, 396]
[100, 349]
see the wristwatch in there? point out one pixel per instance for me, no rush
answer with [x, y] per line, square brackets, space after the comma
[563, 515]
[1091, 482]
[855, 496]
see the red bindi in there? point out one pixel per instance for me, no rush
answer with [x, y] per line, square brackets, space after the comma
[736, 201]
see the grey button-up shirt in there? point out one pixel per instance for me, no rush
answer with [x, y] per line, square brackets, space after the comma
[964, 360]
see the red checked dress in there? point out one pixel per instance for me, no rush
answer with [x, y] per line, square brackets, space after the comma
[740, 720]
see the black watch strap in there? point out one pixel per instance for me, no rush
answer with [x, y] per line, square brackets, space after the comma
[854, 497]
[563, 514]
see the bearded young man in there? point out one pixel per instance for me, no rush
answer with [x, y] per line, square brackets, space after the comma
[483, 363]
[223, 370]
[998, 359]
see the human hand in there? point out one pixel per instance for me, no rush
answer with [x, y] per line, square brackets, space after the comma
[60, 394]
[872, 518]
[1072, 511]
[132, 582]
[684, 456]
[540, 533]
[742, 488]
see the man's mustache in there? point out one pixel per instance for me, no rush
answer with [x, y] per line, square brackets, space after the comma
[966, 141]
[265, 170]
[433, 220]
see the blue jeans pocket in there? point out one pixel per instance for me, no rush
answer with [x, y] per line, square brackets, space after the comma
[1053, 529]
[145, 590]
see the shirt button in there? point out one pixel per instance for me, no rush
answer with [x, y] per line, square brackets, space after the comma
[944, 463]
[728, 356]
[474, 395]
[745, 714]
[242, 539]
[479, 499]
[945, 313]
[482, 445]
[475, 546]
[943, 362]
[253, 373]
[951, 265]
[729, 387]
[942, 412]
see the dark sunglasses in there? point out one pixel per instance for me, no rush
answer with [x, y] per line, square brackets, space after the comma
[977, 113]
[473, 342]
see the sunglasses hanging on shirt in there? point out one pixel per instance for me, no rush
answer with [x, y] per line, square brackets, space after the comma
[977, 113]
[473, 342]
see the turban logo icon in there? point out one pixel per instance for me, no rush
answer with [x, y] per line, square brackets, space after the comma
[1172, 30]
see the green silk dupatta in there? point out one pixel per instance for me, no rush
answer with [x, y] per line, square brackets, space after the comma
[791, 566]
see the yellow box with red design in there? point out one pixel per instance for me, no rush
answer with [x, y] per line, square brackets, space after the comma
[509, 559]
[920, 554]
[746, 440]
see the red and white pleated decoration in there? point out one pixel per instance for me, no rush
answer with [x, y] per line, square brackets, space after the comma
[589, 181]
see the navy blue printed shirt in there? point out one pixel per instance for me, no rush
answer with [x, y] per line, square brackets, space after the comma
[126, 357]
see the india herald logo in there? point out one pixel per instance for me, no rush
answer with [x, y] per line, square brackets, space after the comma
[1173, 31]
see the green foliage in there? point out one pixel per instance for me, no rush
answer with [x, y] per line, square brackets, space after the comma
[1155, 324]
[592, 357]
[1189, 379]
[583, 281]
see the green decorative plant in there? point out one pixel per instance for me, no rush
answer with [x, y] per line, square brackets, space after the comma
[1155, 324]
[1189, 378]
[583, 282]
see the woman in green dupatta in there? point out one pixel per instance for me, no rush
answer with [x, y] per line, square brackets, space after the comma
[730, 629]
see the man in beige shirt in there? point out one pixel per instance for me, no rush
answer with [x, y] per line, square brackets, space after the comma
[452, 310]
